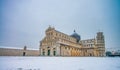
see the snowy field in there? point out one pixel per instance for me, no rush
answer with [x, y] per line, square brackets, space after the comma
[59, 63]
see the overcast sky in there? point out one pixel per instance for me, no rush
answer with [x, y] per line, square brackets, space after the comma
[23, 22]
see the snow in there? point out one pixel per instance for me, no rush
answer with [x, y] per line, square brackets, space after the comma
[59, 63]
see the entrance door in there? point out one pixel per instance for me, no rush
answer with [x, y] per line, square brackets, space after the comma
[54, 53]
[90, 54]
[24, 53]
[48, 52]
[43, 53]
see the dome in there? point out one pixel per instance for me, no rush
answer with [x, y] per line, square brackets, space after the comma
[76, 36]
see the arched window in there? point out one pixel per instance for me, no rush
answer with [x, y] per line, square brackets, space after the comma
[48, 47]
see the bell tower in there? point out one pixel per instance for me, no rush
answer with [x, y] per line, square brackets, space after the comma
[100, 44]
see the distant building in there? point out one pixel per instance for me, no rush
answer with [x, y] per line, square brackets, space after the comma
[56, 43]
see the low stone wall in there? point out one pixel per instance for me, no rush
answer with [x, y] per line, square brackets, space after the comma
[18, 52]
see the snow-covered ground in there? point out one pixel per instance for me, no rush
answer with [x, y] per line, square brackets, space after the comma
[59, 63]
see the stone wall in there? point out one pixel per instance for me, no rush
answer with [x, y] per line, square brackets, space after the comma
[18, 52]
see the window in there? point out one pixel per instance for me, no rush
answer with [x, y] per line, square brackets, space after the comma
[48, 47]
[51, 33]
[65, 47]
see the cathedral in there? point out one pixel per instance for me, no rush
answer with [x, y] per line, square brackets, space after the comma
[56, 43]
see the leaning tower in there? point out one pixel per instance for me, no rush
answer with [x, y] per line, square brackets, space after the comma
[100, 44]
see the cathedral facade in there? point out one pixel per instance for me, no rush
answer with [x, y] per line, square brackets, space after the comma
[56, 43]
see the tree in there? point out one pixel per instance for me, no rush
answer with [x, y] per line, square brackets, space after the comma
[108, 53]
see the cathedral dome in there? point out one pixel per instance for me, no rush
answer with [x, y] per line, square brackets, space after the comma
[76, 36]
